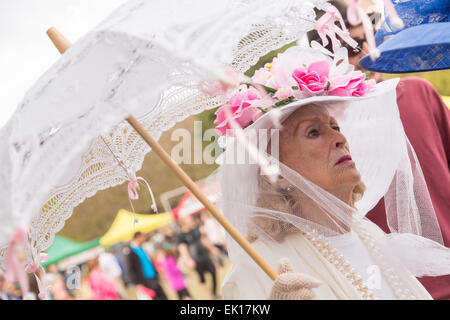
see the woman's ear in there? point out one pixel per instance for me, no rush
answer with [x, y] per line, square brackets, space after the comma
[282, 183]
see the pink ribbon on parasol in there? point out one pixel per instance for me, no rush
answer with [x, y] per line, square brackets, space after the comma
[16, 270]
[134, 195]
[393, 16]
[32, 267]
[356, 15]
[14, 266]
[325, 26]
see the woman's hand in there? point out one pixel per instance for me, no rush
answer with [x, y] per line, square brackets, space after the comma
[291, 285]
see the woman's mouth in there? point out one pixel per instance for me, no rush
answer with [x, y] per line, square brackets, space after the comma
[344, 159]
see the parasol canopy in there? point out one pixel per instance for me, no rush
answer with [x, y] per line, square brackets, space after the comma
[148, 58]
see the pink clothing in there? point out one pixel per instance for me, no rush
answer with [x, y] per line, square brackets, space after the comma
[426, 120]
[173, 274]
[102, 287]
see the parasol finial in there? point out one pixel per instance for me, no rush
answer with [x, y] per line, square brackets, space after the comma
[60, 42]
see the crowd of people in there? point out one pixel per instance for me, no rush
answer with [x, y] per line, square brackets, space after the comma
[153, 266]
[307, 220]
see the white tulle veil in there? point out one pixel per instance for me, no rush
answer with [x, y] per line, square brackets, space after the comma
[268, 212]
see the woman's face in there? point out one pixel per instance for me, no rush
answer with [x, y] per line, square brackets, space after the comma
[311, 144]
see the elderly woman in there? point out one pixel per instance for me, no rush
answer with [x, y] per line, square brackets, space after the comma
[338, 152]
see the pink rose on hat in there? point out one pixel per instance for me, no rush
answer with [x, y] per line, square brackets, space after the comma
[314, 79]
[242, 107]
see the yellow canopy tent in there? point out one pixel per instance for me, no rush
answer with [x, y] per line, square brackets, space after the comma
[123, 228]
[446, 100]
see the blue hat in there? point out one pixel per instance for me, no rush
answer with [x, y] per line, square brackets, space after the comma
[422, 45]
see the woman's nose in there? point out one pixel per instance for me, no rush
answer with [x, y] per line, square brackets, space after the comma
[340, 144]
[340, 140]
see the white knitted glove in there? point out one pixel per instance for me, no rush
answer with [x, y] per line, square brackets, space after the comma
[291, 285]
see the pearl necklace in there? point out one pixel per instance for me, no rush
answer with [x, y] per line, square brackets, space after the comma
[400, 289]
[338, 261]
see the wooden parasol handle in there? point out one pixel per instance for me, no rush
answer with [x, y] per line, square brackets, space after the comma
[62, 44]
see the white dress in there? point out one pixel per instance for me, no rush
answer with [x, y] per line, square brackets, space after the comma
[356, 253]
[245, 279]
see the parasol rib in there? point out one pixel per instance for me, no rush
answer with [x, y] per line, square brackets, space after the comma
[62, 44]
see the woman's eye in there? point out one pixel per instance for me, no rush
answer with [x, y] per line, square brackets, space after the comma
[313, 133]
[337, 128]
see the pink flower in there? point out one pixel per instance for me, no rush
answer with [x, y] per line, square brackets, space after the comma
[364, 87]
[261, 76]
[242, 107]
[283, 93]
[353, 84]
[314, 79]
[265, 75]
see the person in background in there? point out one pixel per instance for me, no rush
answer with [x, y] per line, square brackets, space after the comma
[33, 293]
[84, 291]
[12, 291]
[215, 232]
[50, 276]
[8, 290]
[150, 246]
[102, 286]
[121, 251]
[3, 294]
[195, 248]
[167, 257]
[169, 233]
[141, 269]
[58, 285]
[110, 267]
[426, 120]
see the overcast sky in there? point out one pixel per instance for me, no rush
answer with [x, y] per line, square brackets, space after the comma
[25, 50]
